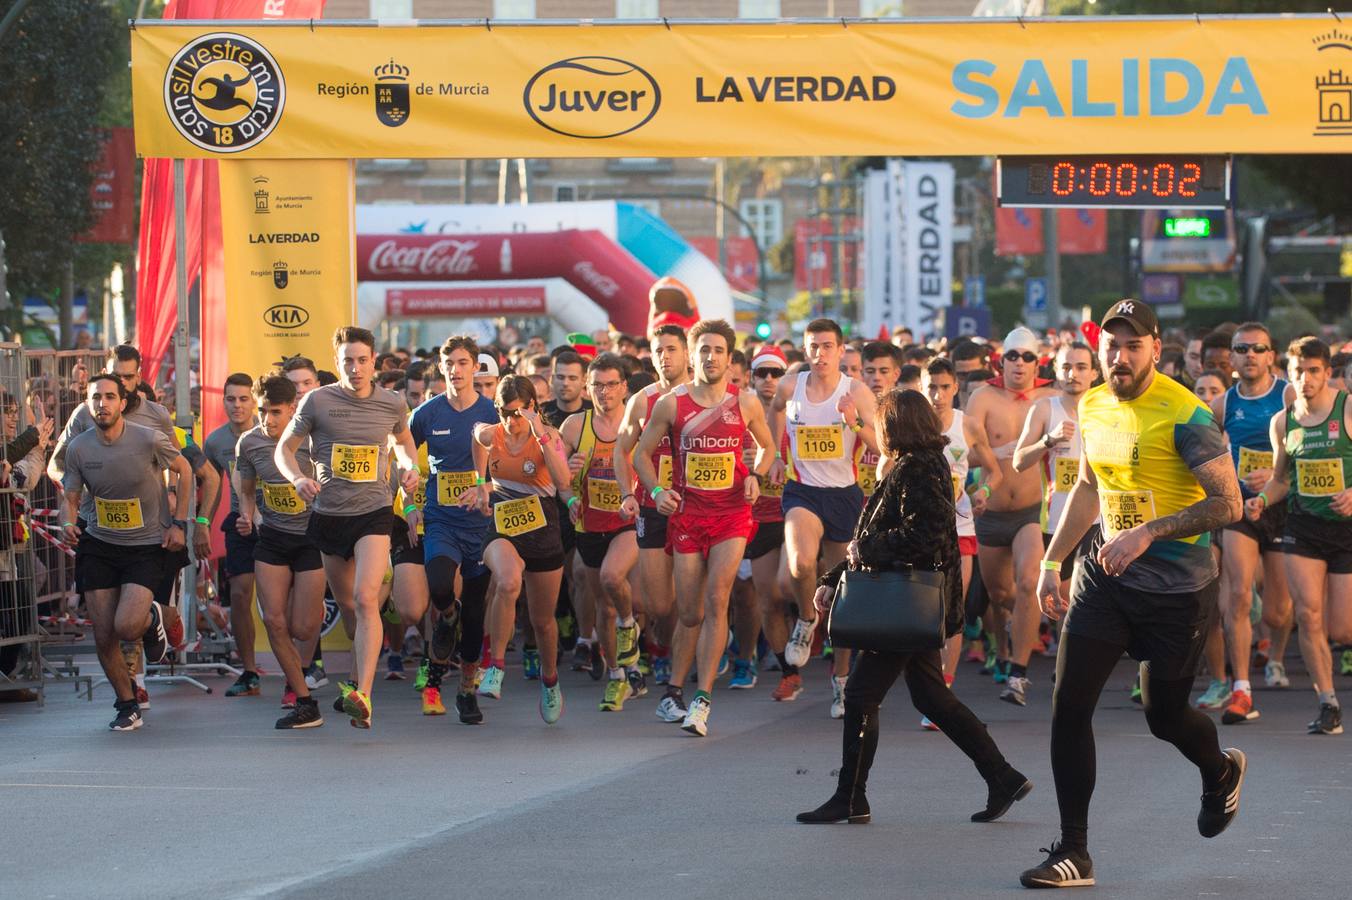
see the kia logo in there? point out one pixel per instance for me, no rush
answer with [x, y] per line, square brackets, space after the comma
[285, 315]
[592, 97]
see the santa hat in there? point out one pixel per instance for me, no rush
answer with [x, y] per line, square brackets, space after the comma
[769, 355]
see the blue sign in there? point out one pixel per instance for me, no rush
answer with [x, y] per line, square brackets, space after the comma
[1035, 294]
[967, 321]
[974, 291]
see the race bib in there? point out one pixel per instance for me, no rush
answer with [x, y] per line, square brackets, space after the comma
[1319, 477]
[119, 515]
[603, 495]
[709, 471]
[517, 517]
[1124, 510]
[451, 486]
[771, 490]
[957, 488]
[355, 463]
[820, 442]
[282, 499]
[664, 472]
[1065, 472]
[1251, 461]
[868, 480]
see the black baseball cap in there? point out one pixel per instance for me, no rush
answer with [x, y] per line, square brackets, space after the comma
[1136, 313]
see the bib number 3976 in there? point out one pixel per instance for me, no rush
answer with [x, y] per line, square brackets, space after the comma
[517, 517]
[356, 463]
[1125, 510]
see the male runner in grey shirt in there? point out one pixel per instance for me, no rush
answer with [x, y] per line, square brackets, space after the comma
[239, 549]
[350, 426]
[114, 481]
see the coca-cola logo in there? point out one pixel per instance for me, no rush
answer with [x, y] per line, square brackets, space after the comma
[441, 258]
[604, 284]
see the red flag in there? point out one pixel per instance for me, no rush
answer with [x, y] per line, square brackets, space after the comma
[1082, 231]
[1018, 231]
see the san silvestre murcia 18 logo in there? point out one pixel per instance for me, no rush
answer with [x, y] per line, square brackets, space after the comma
[224, 92]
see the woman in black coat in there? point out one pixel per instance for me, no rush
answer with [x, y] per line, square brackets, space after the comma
[915, 524]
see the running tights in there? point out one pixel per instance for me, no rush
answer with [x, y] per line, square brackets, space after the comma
[1083, 666]
[441, 571]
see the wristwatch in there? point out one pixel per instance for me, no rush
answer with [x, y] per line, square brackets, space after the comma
[182, 524]
[1047, 440]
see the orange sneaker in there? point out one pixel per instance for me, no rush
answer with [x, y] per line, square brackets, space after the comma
[790, 686]
[1239, 709]
[431, 702]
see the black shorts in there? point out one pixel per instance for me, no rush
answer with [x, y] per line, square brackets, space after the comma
[651, 528]
[1167, 630]
[542, 549]
[401, 552]
[286, 550]
[1319, 538]
[593, 546]
[769, 537]
[174, 562]
[1269, 532]
[338, 535]
[239, 550]
[101, 566]
[1080, 549]
[567, 534]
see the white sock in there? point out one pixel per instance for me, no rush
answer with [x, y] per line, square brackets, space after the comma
[617, 674]
[626, 622]
[1242, 685]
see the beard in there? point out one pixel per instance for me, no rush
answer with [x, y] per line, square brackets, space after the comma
[1130, 384]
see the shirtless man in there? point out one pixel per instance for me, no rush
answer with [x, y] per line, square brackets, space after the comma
[1009, 532]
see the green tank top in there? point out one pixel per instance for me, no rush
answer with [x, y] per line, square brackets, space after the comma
[1321, 460]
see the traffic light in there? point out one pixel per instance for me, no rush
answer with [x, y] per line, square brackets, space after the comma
[763, 330]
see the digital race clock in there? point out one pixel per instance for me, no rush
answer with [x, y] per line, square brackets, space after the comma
[1115, 182]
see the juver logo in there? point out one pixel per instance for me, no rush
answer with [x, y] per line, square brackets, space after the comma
[592, 97]
[224, 92]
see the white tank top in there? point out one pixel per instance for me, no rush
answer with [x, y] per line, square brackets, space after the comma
[1060, 469]
[821, 445]
[960, 463]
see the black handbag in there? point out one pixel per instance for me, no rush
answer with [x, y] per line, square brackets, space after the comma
[889, 611]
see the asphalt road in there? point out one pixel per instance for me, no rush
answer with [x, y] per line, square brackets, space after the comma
[208, 800]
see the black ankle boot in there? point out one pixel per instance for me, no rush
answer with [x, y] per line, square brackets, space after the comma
[1001, 794]
[840, 808]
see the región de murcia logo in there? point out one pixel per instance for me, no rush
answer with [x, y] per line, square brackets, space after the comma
[1334, 85]
[392, 107]
[224, 92]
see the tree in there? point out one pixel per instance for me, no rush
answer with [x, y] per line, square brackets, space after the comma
[56, 64]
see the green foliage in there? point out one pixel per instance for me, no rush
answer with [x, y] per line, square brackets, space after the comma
[1290, 322]
[55, 65]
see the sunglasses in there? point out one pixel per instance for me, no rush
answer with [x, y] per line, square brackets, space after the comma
[1242, 349]
[768, 372]
[508, 413]
[1026, 356]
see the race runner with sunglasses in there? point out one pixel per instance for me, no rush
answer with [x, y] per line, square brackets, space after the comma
[1245, 413]
[1008, 517]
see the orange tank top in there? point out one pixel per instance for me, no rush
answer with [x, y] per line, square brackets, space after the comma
[519, 473]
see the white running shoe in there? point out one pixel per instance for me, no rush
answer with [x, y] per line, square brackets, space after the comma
[838, 697]
[1274, 673]
[551, 704]
[697, 720]
[669, 709]
[491, 683]
[799, 648]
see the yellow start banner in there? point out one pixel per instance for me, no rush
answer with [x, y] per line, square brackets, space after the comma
[289, 275]
[1069, 85]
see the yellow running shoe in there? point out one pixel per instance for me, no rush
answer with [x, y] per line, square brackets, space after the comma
[358, 705]
[617, 691]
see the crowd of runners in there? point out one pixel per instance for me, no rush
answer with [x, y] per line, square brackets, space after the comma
[658, 514]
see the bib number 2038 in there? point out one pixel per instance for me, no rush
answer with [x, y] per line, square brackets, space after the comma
[516, 517]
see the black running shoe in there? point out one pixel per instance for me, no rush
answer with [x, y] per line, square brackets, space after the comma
[305, 714]
[598, 665]
[1002, 794]
[443, 634]
[1220, 806]
[467, 705]
[155, 640]
[1330, 720]
[1063, 868]
[128, 716]
[582, 658]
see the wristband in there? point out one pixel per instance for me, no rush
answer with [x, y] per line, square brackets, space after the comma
[1051, 565]
[543, 439]
[655, 491]
[986, 488]
[571, 500]
[856, 427]
[478, 479]
[624, 497]
[1262, 495]
[202, 520]
[412, 507]
[67, 524]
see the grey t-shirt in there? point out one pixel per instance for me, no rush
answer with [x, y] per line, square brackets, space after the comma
[281, 506]
[126, 502]
[349, 445]
[220, 449]
[147, 413]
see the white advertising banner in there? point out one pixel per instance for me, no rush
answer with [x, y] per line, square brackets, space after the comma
[881, 261]
[926, 243]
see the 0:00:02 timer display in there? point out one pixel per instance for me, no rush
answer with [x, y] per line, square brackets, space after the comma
[1179, 181]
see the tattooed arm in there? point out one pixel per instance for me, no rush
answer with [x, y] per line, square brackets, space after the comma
[1221, 507]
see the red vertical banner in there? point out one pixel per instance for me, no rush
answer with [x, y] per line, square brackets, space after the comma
[112, 193]
[742, 269]
[1082, 231]
[1018, 231]
[815, 259]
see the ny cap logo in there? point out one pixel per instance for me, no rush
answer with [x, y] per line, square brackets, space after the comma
[1126, 308]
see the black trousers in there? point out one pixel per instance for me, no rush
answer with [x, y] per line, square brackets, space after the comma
[873, 676]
